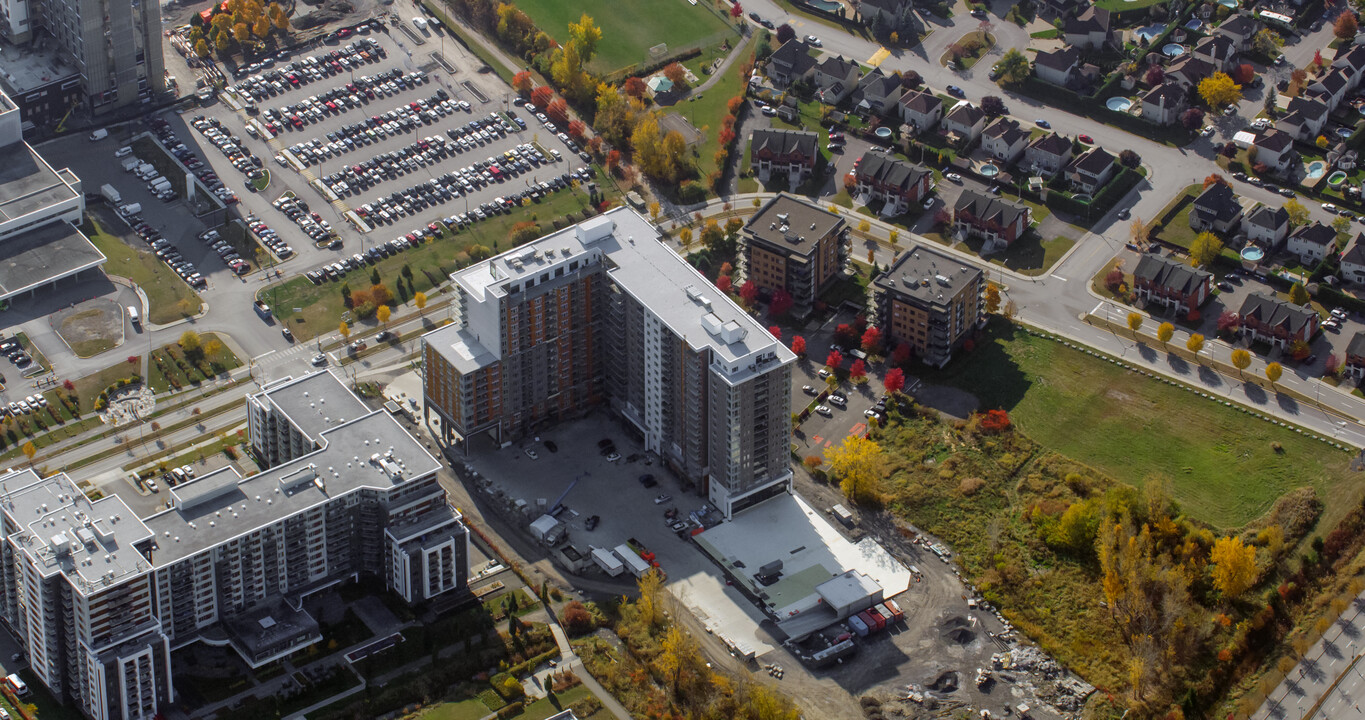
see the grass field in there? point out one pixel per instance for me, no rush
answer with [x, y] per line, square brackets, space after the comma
[630, 29]
[170, 298]
[322, 305]
[1222, 467]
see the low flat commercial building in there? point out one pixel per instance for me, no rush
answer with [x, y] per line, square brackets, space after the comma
[929, 301]
[604, 313]
[99, 599]
[795, 246]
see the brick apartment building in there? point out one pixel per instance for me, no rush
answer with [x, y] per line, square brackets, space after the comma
[1174, 285]
[796, 246]
[930, 301]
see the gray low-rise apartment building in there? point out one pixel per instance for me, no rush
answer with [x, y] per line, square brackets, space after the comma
[99, 599]
[603, 313]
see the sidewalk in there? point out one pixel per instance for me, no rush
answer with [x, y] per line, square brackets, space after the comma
[1327, 681]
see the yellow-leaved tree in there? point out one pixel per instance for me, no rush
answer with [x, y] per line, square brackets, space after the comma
[858, 464]
[1234, 566]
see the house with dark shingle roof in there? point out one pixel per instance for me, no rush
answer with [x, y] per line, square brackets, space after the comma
[878, 93]
[896, 183]
[1053, 9]
[998, 222]
[835, 79]
[1305, 119]
[1058, 67]
[1333, 86]
[1240, 29]
[1312, 242]
[1216, 209]
[790, 151]
[1089, 172]
[1174, 285]
[1269, 319]
[1047, 155]
[1217, 50]
[1355, 357]
[1005, 139]
[790, 63]
[1275, 149]
[1089, 30]
[1353, 58]
[1267, 225]
[965, 120]
[1164, 103]
[921, 110]
[1189, 70]
[1353, 262]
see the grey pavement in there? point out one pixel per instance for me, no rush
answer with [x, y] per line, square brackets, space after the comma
[1328, 682]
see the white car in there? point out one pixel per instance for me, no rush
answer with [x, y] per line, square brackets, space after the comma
[1207, 131]
[662, 499]
[532, 454]
[319, 359]
[953, 177]
[1329, 207]
[824, 410]
[824, 373]
[769, 111]
[613, 457]
[812, 40]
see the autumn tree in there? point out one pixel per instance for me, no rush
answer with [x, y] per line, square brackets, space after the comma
[1273, 371]
[992, 297]
[344, 329]
[1195, 343]
[241, 32]
[1192, 119]
[748, 292]
[782, 302]
[1013, 67]
[834, 359]
[1134, 322]
[1298, 214]
[894, 381]
[799, 346]
[30, 450]
[859, 465]
[857, 372]
[1164, 332]
[1265, 42]
[1234, 566]
[872, 341]
[1345, 28]
[1298, 294]
[382, 314]
[201, 48]
[420, 300]
[677, 75]
[522, 82]
[724, 283]
[650, 604]
[1215, 178]
[1241, 359]
[685, 237]
[1219, 91]
[1205, 249]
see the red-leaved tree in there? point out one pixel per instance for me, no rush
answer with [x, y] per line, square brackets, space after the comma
[577, 130]
[736, 10]
[1228, 321]
[995, 421]
[902, 354]
[799, 346]
[522, 82]
[895, 380]
[748, 292]
[872, 341]
[542, 96]
[635, 87]
[724, 283]
[857, 370]
[558, 111]
[781, 303]
[613, 160]
[776, 331]
[845, 333]
[834, 359]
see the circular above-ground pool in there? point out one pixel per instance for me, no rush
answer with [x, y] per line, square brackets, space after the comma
[826, 5]
[1118, 104]
[1251, 253]
[1315, 169]
[1151, 32]
[989, 170]
[883, 132]
[1194, 24]
[1173, 50]
[1336, 178]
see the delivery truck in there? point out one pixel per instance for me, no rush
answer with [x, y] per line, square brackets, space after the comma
[130, 209]
[111, 194]
[131, 164]
[161, 185]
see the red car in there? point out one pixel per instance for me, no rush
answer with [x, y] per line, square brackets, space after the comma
[1087, 140]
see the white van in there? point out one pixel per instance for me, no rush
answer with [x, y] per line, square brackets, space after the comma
[17, 685]
[133, 316]
[420, 23]
[124, 151]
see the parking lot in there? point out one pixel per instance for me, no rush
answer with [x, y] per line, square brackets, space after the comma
[376, 126]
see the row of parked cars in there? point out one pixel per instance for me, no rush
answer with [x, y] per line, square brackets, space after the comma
[230, 145]
[186, 156]
[404, 118]
[226, 251]
[262, 80]
[338, 269]
[15, 353]
[30, 404]
[169, 254]
[312, 223]
[268, 237]
[340, 99]
[549, 125]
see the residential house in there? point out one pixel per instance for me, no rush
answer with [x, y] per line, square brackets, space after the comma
[1355, 357]
[963, 123]
[793, 152]
[790, 63]
[1053, 9]
[1189, 70]
[1089, 172]
[998, 222]
[1353, 58]
[1312, 242]
[1333, 86]
[1176, 286]
[896, 183]
[1353, 262]
[1216, 209]
[835, 79]
[1058, 67]
[1218, 51]
[921, 110]
[893, 14]
[1305, 119]
[793, 244]
[1089, 30]
[1047, 155]
[1164, 103]
[1240, 29]
[1275, 149]
[877, 93]
[1266, 318]
[1267, 225]
[1005, 139]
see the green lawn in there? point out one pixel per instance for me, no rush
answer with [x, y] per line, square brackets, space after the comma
[708, 113]
[263, 182]
[170, 298]
[1220, 461]
[1029, 255]
[630, 29]
[321, 306]
[471, 709]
